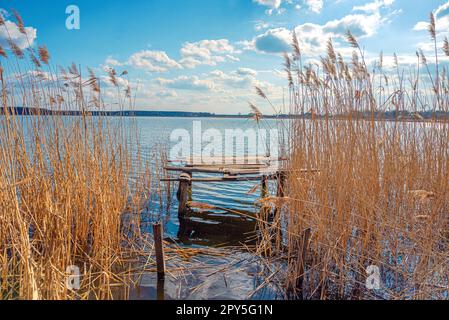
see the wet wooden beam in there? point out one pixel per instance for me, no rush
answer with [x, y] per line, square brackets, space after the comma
[158, 245]
[228, 166]
[223, 179]
[264, 187]
[234, 170]
[184, 193]
[304, 248]
[227, 160]
[281, 179]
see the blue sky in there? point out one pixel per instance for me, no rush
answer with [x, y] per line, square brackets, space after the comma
[207, 55]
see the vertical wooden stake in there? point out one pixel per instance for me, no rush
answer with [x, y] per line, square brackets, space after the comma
[281, 185]
[160, 290]
[264, 187]
[184, 193]
[280, 194]
[160, 262]
[304, 247]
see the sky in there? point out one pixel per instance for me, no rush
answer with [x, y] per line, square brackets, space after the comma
[208, 55]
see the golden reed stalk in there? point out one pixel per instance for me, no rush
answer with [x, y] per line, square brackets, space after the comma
[65, 191]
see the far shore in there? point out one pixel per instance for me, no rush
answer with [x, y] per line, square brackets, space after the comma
[379, 116]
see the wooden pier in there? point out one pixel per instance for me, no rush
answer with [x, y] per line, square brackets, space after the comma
[233, 169]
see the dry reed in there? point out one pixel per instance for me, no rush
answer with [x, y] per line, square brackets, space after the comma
[381, 196]
[66, 193]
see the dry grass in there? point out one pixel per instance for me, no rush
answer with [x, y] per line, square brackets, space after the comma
[381, 196]
[66, 196]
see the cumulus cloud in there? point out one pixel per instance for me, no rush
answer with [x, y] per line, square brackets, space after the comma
[11, 31]
[216, 81]
[246, 72]
[360, 25]
[233, 80]
[442, 20]
[207, 52]
[273, 41]
[314, 5]
[193, 54]
[187, 83]
[166, 94]
[373, 6]
[313, 37]
[275, 4]
[111, 62]
[121, 82]
[261, 25]
[152, 61]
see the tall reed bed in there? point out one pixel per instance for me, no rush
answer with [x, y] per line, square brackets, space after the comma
[66, 193]
[381, 195]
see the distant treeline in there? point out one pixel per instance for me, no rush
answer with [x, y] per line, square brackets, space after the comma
[388, 115]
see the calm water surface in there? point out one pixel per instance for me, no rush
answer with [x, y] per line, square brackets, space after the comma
[233, 275]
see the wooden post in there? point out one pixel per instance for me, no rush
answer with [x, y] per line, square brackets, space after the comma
[279, 194]
[184, 193]
[160, 290]
[160, 262]
[264, 187]
[303, 248]
[264, 212]
[281, 185]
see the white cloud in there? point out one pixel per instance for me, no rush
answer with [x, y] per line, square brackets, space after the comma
[152, 61]
[361, 25]
[232, 80]
[121, 82]
[373, 6]
[193, 54]
[111, 62]
[313, 37]
[275, 4]
[11, 31]
[187, 83]
[273, 41]
[215, 81]
[442, 20]
[314, 5]
[166, 94]
[261, 25]
[246, 72]
[206, 52]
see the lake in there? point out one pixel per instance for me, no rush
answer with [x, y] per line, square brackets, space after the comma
[231, 276]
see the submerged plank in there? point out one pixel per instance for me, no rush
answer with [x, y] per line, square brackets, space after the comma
[224, 179]
[224, 170]
[198, 160]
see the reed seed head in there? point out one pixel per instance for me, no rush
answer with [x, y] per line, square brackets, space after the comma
[15, 49]
[19, 22]
[432, 27]
[44, 55]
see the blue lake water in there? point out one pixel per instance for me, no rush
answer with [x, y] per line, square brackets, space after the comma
[207, 229]
[235, 272]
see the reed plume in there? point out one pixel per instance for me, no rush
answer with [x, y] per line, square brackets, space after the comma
[380, 196]
[71, 192]
[44, 56]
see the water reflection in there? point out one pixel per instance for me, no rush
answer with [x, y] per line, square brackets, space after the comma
[216, 229]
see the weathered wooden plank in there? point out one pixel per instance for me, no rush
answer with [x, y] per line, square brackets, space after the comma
[160, 262]
[223, 179]
[184, 193]
[264, 187]
[228, 166]
[232, 172]
[236, 170]
[304, 248]
[226, 160]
